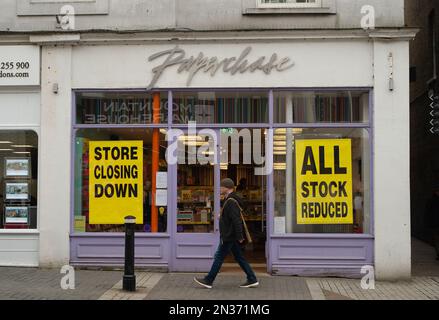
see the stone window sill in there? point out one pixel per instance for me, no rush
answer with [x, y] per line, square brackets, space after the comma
[284, 11]
[249, 7]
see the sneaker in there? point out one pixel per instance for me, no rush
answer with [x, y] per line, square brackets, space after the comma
[250, 284]
[203, 282]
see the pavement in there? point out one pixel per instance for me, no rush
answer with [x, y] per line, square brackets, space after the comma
[226, 287]
[45, 284]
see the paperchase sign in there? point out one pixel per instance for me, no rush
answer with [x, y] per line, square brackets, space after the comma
[192, 65]
[19, 65]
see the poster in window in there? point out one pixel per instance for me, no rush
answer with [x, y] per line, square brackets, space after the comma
[162, 180]
[17, 167]
[115, 181]
[17, 191]
[16, 215]
[324, 182]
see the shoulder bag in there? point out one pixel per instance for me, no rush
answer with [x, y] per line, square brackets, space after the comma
[248, 237]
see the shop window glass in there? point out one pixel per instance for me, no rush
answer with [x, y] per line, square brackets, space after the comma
[321, 107]
[105, 108]
[290, 207]
[81, 205]
[19, 179]
[243, 159]
[220, 107]
[195, 193]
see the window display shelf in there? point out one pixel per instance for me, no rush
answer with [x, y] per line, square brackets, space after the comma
[192, 202]
[255, 219]
[193, 223]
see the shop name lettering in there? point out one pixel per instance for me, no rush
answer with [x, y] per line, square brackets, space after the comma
[114, 171]
[211, 65]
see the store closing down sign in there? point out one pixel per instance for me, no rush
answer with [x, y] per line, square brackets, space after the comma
[116, 181]
[324, 182]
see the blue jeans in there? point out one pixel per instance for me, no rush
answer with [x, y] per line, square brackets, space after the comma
[223, 250]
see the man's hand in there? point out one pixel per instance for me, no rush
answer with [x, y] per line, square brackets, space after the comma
[241, 241]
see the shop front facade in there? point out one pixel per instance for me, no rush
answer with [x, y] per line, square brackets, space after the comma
[244, 106]
[284, 94]
[20, 125]
[183, 234]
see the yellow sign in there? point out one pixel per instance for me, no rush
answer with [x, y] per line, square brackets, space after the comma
[116, 181]
[324, 182]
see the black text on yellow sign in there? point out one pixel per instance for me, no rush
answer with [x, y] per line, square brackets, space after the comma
[324, 182]
[116, 181]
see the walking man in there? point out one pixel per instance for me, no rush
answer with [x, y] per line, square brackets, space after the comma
[231, 238]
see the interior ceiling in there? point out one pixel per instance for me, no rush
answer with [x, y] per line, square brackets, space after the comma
[14, 141]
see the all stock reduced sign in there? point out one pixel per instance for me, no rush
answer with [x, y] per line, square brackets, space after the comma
[116, 181]
[324, 182]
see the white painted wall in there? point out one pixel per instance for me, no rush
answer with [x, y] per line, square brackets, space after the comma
[391, 163]
[19, 110]
[55, 142]
[191, 15]
[346, 64]
[19, 248]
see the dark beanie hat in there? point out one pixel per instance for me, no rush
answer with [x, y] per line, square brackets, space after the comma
[227, 183]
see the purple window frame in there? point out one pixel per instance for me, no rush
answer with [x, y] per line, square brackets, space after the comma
[369, 126]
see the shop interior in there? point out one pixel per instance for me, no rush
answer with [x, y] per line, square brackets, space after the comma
[83, 136]
[196, 186]
[250, 186]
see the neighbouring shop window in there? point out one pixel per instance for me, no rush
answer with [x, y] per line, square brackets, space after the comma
[321, 107]
[105, 108]
[220, 107]
[322, 181]
[19, 179]
[151, 213]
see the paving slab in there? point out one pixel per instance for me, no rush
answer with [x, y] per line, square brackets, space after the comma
[226, 287]
[45, 284]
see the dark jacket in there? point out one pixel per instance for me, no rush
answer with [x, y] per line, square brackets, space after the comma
[231, 227]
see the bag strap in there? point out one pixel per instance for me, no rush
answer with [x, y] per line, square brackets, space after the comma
[234, 200]
[247, 233]
[237, 203]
